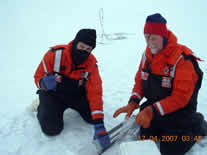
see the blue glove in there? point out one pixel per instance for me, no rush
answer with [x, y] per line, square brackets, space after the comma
[102, 135]
[49, 82]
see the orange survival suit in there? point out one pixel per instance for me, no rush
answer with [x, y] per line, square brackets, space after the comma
[87, 72]
[170, 81]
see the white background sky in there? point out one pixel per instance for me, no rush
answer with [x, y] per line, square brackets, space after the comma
[29, 27]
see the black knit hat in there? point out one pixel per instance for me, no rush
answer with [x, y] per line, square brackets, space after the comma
[87, 36]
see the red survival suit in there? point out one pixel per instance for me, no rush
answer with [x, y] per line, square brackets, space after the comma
[170, 81]
[87, 71]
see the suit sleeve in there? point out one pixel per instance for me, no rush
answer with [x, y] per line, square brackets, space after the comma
[183, 87]
[40, 71]
[94, 93]
[137, 92]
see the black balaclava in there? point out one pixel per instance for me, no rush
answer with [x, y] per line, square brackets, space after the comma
[87, 36]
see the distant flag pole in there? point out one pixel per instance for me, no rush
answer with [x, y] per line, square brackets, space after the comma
[101, 18]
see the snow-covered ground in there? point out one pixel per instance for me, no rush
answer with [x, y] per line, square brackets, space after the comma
[28, 28]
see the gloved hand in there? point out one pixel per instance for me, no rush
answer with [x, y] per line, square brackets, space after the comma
[126, 109]
[145, 117]
[101, 135]
[49, 82]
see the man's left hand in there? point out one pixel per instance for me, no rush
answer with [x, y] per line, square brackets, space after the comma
[145, 117]
[102, 135]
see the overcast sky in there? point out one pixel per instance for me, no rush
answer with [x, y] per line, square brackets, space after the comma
[29, 27]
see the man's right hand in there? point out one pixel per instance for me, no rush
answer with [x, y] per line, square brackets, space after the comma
[49, 82]
[126, 109]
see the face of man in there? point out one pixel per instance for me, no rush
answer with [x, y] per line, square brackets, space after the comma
[80, 52]
[84, 47]
[154, 42]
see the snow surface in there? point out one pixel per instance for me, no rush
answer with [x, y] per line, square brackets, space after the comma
[28, 28]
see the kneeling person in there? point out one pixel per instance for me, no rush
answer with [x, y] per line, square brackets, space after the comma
[68, 77]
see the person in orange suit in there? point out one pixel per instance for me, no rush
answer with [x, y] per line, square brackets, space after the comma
[169, 78]
[68, 77]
